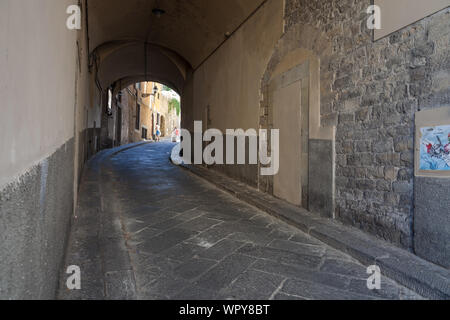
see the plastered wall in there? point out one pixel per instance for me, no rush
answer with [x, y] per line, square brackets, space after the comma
[229, 81]
[37, 83]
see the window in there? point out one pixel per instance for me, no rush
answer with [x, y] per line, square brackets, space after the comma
[144, 133]
[138, 116]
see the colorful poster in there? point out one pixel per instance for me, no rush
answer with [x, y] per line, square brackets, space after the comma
[435, 148]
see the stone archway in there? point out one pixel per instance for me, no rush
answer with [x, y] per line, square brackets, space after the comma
[295, 69]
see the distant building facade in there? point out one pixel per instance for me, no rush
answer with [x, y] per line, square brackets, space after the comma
[135, 113]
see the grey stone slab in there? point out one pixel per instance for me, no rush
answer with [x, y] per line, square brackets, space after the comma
[259, 238]
[388, 289]
[190, 214]
[199, 224]
[432, 219]
[194, 268]
[165, 240]
[280, 234]
[120, 285]
[344, 267]
[146, 276]
[281, 256]
[211, 236]
[142, 210]
[166, 287]
[229, 217]
[221, 250]
[286, 297]
[115, 255]
[224, 273]
[83, 249]
[166, 224]
[305, 239]
[183, 251]
[253, 285]
[338, 281]
[144, 234]
[194, 292]
[156, 217]
[320, 191]
[314, 250]
[182, 207]
[317, 291]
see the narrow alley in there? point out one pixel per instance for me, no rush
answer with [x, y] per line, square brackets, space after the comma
[225, 150]
[147, 229]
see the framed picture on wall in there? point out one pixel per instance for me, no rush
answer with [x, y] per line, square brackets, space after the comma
[432, 143]
[435, 148]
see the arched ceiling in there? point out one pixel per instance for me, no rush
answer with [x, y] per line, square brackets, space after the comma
[131, 62]
[191, 28]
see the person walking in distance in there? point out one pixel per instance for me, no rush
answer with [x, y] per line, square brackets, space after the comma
[158, 134]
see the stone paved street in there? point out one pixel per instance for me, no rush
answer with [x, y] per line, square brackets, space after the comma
[147, 229]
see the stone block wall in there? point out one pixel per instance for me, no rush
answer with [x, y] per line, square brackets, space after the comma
[376, 88]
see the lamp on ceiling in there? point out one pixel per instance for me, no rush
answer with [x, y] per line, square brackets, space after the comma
[158, 12]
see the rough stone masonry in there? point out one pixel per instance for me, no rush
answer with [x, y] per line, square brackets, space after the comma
[377, 88]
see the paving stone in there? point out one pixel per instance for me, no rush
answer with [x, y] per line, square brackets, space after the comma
[253, 285]
[115, 255]
[345, 267]
[155, 217]
[217, 215]
[194, 292]
[145, 276]
[120, 285]
[279, 234]
[183, 251]
[199, 224]
[299, 248]
[289, 271]
[319, 291]
[221, 250]
[211, 236]
[281, 256]
[213, 247]
[223, 274]
[194, 268]
[166, 240]
[387, 291]
[167, 224]
[285, 297]
[167, 286]
[259, 238]
[190, 214]
[303, 238]
[142, 211]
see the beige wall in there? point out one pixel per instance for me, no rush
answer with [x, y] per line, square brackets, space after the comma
[396, 14]
[37, 82]
[286, 101]
[229, 82]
